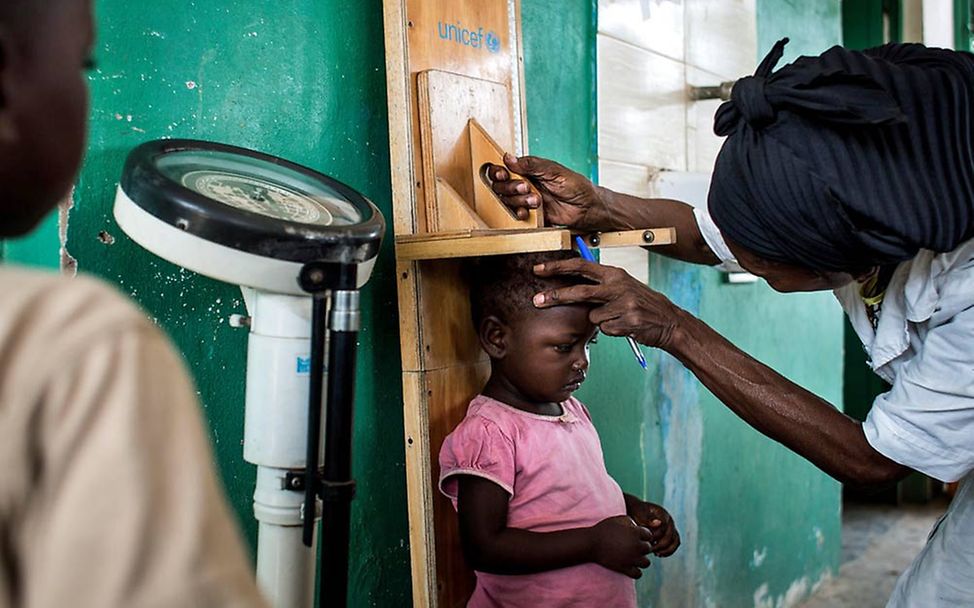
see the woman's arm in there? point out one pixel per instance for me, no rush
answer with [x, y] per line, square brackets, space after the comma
[490, 546]
[570, 199]
[772, 404]
[635, 213]
[779, 408]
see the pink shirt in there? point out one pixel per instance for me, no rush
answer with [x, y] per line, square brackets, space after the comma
[553, 468]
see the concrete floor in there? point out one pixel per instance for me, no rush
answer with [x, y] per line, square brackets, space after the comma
[878, 543]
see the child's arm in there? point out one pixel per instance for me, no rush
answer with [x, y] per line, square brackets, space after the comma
[490, 546]
[666, 538]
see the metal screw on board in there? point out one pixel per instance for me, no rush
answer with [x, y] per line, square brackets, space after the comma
[649, 236]
[594, 240]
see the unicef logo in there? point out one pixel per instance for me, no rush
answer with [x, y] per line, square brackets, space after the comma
[474, 38]
[493, 42]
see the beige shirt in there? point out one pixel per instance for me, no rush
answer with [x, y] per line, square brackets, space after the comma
[108, 496]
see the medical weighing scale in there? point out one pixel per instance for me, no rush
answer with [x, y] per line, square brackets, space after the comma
[300, 245]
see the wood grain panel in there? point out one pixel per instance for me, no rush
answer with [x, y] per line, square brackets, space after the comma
[448, 391]
[447, 335]
[452, 212]
[442, 362]
[447, 102]
[476, 243]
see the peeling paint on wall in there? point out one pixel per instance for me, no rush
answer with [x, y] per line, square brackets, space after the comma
[682, 436]
[681, 430]
[758, 558]
[69, 265]
[797, 592]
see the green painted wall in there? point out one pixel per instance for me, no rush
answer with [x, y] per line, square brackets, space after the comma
[862, 23]
[560, 81]
[39, 248]
[761, 526]
[305, 80]
[962, 26]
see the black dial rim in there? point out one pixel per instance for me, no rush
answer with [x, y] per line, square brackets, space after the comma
[277, 209]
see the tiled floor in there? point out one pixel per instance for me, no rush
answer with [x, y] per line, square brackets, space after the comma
[878, 543]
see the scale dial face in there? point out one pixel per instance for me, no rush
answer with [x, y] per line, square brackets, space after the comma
[258, 196]
[260, 187]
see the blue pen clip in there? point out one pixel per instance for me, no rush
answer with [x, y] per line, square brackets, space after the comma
[587, 255]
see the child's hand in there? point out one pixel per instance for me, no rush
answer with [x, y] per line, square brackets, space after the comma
[666, 538]
[621, 545]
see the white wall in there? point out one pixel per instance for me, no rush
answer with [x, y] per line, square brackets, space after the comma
[938, 23]
[649, 53]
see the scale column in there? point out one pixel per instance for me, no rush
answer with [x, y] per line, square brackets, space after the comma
[275, 434]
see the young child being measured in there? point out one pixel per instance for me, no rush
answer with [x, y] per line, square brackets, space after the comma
[541, 521]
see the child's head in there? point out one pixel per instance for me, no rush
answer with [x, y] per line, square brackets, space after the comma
[43, 105]
[541, 353]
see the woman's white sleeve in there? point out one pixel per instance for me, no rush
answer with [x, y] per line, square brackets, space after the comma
[711, 235]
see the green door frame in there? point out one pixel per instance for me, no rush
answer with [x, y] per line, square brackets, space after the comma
[962, 25]
[863, 25]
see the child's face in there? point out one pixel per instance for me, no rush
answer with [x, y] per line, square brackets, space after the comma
[43, 109]
[546, 353]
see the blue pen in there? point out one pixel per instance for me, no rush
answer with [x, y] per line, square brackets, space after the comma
[587, 255]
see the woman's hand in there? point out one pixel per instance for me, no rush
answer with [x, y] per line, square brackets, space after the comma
[623, 305]
[621, 545]
[567, 198]
[570, 199]
[666, 538]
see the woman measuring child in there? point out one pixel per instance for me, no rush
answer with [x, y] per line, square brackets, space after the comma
[852, 172]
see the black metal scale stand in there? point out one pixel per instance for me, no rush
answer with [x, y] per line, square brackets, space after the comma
[334, 484]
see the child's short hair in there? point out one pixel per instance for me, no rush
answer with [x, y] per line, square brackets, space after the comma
[503, 285]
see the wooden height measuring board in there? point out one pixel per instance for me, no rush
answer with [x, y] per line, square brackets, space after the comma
[455, 89]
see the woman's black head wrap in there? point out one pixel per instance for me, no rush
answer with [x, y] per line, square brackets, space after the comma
[849, 159]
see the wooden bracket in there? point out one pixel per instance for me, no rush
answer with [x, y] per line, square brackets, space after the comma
[453, 211]
[651, 237]
[447, 102]
[484, 150]
[476, 243]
